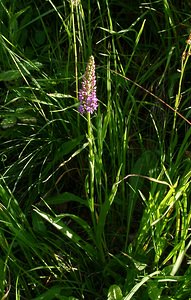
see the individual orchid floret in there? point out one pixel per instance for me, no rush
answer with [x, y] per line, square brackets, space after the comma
[87, 94]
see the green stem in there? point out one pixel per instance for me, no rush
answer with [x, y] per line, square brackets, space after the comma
[91, 164]
[91, 189]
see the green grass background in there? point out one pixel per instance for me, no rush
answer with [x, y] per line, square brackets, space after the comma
[95, 207]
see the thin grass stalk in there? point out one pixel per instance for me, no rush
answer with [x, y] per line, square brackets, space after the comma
[75, 48]
[184, 60]
[81, 23]
[112, 39]
[136, 44]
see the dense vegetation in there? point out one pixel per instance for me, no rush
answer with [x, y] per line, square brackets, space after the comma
[95, 206]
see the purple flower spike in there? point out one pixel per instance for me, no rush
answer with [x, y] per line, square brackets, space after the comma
[87, 94]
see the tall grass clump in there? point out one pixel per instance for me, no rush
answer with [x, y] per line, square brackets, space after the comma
[95, 150]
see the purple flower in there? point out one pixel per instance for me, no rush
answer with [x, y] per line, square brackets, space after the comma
[87, 94]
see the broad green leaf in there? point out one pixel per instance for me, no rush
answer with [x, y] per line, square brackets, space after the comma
[55, 293]
[68, 232]
[64, 198]
[38, 223]
[10, 75]
[154, 291]
[114, 293]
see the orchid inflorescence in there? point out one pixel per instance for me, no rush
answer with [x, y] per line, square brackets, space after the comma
[87, 94]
